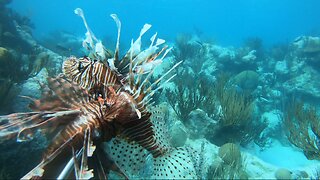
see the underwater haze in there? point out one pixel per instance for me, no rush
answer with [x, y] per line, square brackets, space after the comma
[227, 22]
[159, 89]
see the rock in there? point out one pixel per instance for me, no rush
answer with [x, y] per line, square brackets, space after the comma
[283, 173]
[198, 123]
[281, 68]
[306, 84]
[178, 134]
[307, 44]
[250, 56]
[209, 68]
[41, 60]
[273, 119]
[302, 174]
[54, 60]
[30, 88]
[224, 54]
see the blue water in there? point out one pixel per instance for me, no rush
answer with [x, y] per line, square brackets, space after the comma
[228, 22]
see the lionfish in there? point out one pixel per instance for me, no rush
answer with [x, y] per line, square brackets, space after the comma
[99, 116]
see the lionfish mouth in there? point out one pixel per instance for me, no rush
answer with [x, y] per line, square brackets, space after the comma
[100, 98]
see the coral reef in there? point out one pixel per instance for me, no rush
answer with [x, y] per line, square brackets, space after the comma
[243, 106]
[21, 57]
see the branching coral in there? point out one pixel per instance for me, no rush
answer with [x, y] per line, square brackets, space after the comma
[303, 129]
[189, 96]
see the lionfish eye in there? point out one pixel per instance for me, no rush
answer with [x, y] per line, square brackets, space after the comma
[107, 105]
[80, 67]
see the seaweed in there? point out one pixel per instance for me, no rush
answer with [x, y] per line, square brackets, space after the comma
[197, 158]
[236, 107]
[303, 128]
[187, 97]
[193, 90]
[236, 122]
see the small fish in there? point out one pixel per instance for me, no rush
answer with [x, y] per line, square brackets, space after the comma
[62, 48]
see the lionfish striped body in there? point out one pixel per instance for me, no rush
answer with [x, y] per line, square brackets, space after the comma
[99, 99]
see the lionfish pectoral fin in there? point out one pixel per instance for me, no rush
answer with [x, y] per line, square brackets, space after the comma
[176, 163]
[128, 158]
[50, 165]
[65, 173]
[24, 125]
[35, 172]
[104, 163]
[88, 149]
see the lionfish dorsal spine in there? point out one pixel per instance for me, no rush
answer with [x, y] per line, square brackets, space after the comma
[90, 37]
[153, 38]
[150, 91]
[118, 23]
